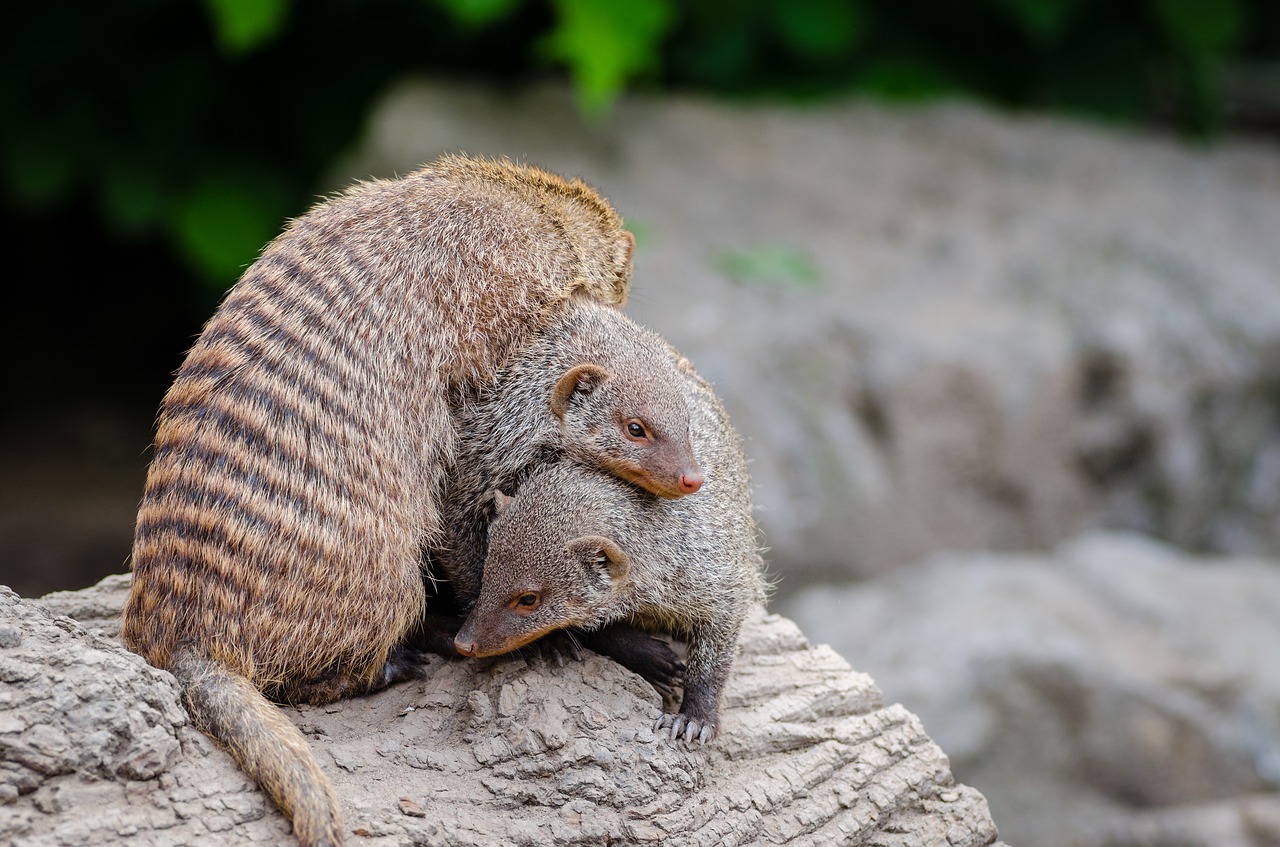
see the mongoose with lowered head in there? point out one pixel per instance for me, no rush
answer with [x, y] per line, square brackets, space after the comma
[301, 451]
[575, 547]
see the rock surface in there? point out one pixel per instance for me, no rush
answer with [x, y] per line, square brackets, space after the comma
[95, 748]
[1116, 692]
[938, 327]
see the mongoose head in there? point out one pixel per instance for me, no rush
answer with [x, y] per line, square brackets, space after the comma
[539, 576]
[632, 423]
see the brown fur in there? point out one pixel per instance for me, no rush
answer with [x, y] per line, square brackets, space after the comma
[579, 548]
[301, 450]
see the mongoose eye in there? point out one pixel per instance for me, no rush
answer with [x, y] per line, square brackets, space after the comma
[526, 602]
[636, 430]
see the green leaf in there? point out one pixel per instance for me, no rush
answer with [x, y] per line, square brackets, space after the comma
[605, 43]
[477, 13]
[1200, 27]
[221, 224]
[243, 25]
[823, 28]
[784, 267]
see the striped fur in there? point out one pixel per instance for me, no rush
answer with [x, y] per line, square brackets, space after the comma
[301, 451]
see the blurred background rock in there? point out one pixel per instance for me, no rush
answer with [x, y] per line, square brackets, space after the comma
[992, 289]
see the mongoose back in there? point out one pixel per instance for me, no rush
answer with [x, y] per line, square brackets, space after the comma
[592, 386]
[301, 451]
[577, 547]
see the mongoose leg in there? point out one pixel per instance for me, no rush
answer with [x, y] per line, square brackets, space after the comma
[324, 690]
[639, 652]
[629, 646]
[404, 663]
[705, 676]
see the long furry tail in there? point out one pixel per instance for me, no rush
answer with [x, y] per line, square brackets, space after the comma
[265, 743]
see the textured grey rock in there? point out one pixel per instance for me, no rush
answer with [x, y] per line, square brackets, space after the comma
[96, 749]
[938, 327]
[95, 746]
[1117, 692]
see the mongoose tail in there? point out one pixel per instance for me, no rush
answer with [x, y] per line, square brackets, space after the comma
[266, 745]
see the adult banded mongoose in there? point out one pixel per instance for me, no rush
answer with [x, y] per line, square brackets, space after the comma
[301, 450]
[577, 547]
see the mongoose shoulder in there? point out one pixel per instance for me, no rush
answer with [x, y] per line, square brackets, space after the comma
[592, 386]
[301, 450]
[577, 547]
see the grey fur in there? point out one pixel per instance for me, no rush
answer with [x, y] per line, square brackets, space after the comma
[596, 550]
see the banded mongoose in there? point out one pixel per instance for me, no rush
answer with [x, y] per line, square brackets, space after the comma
[301, 450]
[577, 547]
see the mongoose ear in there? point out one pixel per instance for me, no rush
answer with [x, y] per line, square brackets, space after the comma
[602, 555]
[585, 378]
[628, 246]
[501, 501]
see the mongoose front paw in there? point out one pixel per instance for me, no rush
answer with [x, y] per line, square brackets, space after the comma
[654, 660]
[638, 651]
[405, 662]
[668, 679]
[683, 726]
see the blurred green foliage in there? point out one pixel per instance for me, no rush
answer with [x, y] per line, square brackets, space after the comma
[605, 44]
[204, 125]
[770, 265]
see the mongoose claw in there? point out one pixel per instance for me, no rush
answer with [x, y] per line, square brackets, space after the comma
[683, 726]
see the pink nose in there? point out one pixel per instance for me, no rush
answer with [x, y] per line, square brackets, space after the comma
[690, 482]
[466, 648]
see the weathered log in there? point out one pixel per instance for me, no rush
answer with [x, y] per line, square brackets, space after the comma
[96, 748]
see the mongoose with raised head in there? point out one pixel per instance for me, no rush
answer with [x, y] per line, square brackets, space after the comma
[577, 547]
[301, 451]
